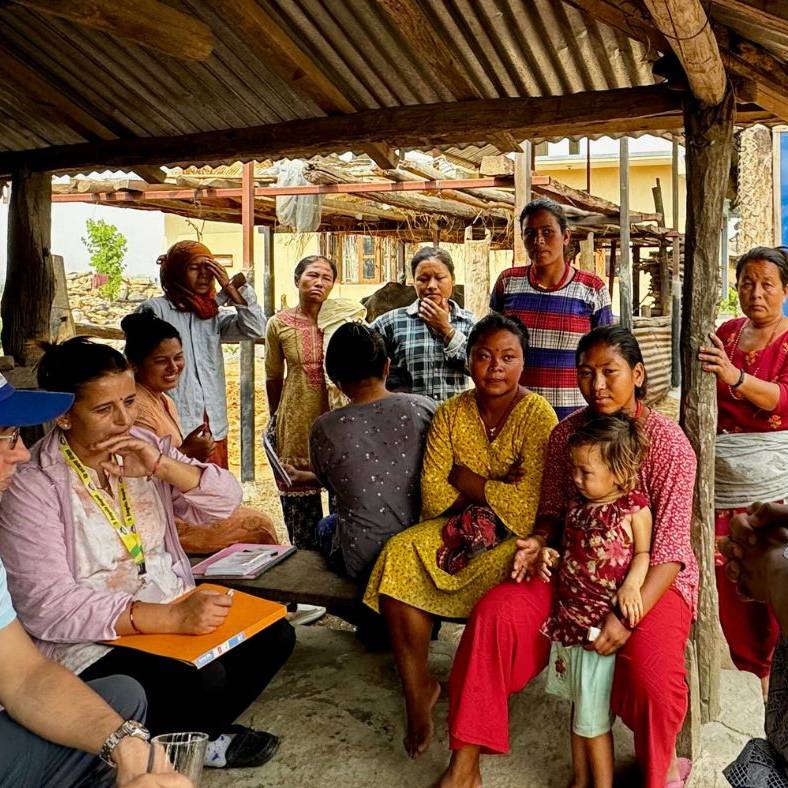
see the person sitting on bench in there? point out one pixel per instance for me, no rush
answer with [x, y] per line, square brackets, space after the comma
[368, 453]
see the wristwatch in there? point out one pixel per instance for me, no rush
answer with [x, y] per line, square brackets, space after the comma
[129, 728]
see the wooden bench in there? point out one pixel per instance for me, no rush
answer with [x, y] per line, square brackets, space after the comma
[303, 577]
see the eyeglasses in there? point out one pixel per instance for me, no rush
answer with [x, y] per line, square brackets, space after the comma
[12, 438]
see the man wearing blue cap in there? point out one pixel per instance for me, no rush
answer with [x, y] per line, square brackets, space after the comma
[55, 729]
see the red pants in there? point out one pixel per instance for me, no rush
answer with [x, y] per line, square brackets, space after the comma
[749, 627]
[502, 650]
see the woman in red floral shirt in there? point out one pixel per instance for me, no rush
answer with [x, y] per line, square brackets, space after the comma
[502, 648]
[749, 357]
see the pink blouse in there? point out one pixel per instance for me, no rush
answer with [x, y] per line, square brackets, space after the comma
[667, 478]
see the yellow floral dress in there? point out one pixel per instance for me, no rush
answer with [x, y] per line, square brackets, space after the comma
[406, 569]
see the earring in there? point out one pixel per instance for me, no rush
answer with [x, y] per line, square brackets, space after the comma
[64, 424]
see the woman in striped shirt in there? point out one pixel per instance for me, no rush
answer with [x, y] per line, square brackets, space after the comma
[557, 303]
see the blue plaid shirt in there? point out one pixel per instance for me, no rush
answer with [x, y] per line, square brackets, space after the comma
[438, 370]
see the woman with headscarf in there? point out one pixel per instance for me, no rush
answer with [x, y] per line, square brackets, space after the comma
[189, 275]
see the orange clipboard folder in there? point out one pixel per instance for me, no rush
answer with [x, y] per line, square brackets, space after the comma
[248, 616]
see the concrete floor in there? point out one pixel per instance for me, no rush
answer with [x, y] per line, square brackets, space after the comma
[338, 710]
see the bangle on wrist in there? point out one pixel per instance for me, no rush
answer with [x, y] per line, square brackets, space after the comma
[450, 334]
[739, 381]
[136, 629]
[155, 466]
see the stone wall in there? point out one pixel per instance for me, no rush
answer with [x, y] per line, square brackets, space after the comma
[89, 306]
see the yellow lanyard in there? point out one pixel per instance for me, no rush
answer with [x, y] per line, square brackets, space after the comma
[126, 529]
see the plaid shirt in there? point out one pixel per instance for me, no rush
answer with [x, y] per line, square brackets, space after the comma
[438, 371]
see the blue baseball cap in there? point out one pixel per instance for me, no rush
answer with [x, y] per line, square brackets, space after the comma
[25, 408]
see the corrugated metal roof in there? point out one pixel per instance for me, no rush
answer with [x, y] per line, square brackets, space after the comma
[502, 47]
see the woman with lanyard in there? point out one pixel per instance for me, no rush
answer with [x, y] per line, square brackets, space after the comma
[555, 301]
[189, 275]
[749, 357]
[88, 536]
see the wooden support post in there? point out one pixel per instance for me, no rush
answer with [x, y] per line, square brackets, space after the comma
[247, 383]
[665, 294]
[724, 251]
[709, 141]
[636, 280]
[611, 274]
[587, 254]
[269, 275]
[30, 283]
[402, 274]
[588, 164]
[675, 372]
[625, 265]
[522, 196]
[322, 244]
[477, 271]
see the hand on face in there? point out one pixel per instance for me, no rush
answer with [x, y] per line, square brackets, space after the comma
[436, 315]
[218, 272]
[138, 457]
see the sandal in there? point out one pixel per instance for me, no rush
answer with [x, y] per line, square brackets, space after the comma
[250, 747]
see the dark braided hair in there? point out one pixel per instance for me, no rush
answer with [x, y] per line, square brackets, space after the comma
[355, 352]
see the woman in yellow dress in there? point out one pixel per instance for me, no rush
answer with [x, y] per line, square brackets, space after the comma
[481, 477]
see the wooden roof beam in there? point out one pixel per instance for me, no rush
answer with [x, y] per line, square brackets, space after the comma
[632, 20]
[150, 23]
[772, 15]
[624, 110]
[151, 173]
[686, 27]
[285, 57]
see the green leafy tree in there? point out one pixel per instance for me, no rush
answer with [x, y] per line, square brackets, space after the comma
[730, 305]
[107, 247]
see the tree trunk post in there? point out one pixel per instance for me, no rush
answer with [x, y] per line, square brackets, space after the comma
[709, 141]
[30, 281]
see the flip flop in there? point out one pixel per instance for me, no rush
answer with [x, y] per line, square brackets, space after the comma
[685, 767]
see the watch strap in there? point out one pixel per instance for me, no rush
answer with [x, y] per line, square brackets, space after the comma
[128, 728]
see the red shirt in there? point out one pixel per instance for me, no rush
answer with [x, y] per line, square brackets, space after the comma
[736, 414]
[667, 478]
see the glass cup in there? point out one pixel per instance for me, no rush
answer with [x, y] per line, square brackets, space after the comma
[185, 752]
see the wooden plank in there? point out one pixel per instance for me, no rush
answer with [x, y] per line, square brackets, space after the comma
[685, 25]
[26, 305]
[151, 174]
[477, 271]
[624, 109]
[496, 165]
[709, 141]
[147, 22]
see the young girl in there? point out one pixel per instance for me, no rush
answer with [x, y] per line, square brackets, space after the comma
[607, 536]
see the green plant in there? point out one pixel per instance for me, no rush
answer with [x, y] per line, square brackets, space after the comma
[107, 247]
[730, 305]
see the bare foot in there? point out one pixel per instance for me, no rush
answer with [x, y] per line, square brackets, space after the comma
[765, 688]
[420, 724]
[463, 771]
